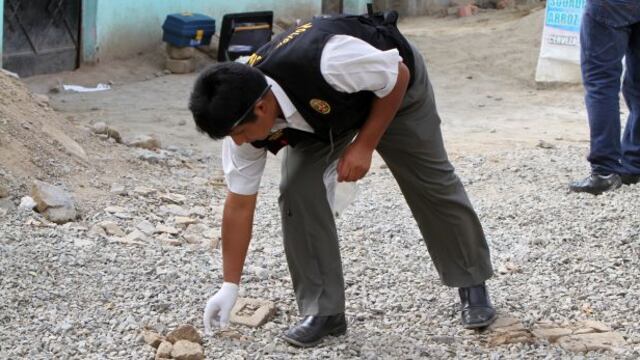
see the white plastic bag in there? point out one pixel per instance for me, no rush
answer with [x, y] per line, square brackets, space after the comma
[559, 59]
[339, 194]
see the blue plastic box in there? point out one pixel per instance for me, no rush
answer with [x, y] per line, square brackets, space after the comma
[188, 29]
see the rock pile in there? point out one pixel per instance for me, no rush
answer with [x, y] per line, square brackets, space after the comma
[180, 59]
[581, 336]
[183, 343]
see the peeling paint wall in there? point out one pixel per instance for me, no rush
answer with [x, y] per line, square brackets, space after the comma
[126, 27]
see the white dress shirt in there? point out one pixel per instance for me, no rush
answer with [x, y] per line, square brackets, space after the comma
[347, 64]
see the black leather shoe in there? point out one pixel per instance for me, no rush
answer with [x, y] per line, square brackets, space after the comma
[477, 311]
[630, 179]
[596, 184]
[312, 329]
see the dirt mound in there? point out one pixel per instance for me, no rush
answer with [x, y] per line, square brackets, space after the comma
[38, 143]
[34, 140]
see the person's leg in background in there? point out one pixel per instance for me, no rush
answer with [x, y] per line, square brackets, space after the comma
[631, 92]
[602, 50]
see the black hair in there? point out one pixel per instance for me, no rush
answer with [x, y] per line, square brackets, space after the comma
[222, 93]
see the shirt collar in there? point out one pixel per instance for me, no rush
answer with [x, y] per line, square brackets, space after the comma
[281, 97]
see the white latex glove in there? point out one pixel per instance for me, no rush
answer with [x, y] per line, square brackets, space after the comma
[218, 309]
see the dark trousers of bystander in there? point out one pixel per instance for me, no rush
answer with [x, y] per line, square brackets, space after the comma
[610, 32]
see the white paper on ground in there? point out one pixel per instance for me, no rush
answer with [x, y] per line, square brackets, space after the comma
[339, 194]
[82, 89]
[559, 59]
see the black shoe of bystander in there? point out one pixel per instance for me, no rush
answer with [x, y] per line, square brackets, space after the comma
[596, 184]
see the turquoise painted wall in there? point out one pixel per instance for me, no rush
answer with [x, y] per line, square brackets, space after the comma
[126, 27]
[88, 31]
[355, 6]
[1, 29]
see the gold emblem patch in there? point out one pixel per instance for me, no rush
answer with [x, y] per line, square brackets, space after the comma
[320, 106]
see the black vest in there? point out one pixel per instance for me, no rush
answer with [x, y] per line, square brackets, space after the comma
[292, 59]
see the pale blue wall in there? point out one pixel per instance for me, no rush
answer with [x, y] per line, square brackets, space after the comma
[126, 27]
[355, 7]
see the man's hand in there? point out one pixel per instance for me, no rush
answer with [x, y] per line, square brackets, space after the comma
[354, 162]
[218, 309]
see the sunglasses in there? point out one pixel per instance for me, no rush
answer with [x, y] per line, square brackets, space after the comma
[250, 109]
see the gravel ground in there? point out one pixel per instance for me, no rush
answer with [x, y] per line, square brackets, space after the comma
[66, 293]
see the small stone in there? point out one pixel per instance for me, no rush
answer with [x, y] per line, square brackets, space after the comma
[173, 209]
[184, 221]
[173, 198]
[214, 243]
[27, 203]
[146, 227]
[4, 191]
[151, 157]
[53, 202]
[186, 350]
[111, 228]
[144, 191]
[136, 236]
[184, 332]
[145, 142]
[97, 230]
[99, 128]
[115, 209]
[508, 268]
[164, 350]
[161, 228]
[152, 338]
[118, 189]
